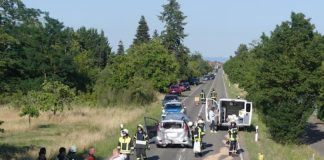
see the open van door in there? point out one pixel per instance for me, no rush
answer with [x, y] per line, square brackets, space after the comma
[248, 110]
[151, 126]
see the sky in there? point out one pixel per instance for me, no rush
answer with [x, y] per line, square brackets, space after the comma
[215, 28]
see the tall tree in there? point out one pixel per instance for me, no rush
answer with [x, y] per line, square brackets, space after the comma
[173, 35]
[242, 48]
[120, 49]
[155, 34]
[142, 33]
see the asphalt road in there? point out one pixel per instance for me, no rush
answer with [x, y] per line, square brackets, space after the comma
[214, 142]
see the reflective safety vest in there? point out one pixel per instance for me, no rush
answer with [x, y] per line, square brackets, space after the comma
[141, 140]
[233, 134]
[125, 145]
[197, 134]
[213, 94]
[202, 95]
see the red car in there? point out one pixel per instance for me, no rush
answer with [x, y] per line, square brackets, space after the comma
[182, 87]
[175, 89]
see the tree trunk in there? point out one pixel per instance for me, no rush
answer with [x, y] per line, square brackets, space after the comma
[29, 120]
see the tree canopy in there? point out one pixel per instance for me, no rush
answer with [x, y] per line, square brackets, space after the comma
[282, 74]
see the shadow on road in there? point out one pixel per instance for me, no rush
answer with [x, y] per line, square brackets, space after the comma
[205, 152]
[153, 158]
[313, 133]
[10, 152]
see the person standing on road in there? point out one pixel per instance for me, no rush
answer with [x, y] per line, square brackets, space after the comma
[125, 145]
[197, 134]
[202, 97]
[212, 116]
[213, 95]
[232, 136]
[141, 143]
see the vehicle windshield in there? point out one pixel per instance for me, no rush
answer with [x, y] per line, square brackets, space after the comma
[173, 106]
[172, 125]
[169, 98]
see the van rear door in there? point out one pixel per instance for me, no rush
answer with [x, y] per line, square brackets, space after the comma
[248, 115]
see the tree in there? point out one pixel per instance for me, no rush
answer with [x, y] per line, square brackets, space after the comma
[155, 34]
[30, 105]
[282, 75]
[142, 33]
[173, 35]
[120, 49]
[241, 49]
[56, 96]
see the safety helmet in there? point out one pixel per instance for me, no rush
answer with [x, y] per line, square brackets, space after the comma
[125, 131]
[200, 121]
[140, 126]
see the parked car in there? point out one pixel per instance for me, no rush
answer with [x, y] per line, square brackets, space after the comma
[173, 107]
[206, 78]
[169, 98]
[175, 89]
[194, 81]
[174, 128]
[182, 87]
[186, 85]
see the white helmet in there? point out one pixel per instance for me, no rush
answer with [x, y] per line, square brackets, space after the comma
[125, 131]
[200, 121]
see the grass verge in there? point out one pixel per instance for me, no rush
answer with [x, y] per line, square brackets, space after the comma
[265, 145]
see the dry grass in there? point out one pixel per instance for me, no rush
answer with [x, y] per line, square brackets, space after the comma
[81, 126]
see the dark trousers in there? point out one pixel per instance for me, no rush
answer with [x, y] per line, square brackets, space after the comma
[140, 152]
[233, 146]
[213, 126]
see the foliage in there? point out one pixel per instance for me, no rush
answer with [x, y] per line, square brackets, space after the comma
[197, 66]
[120, 49]
[173, 35]
[34, 46]
[56, 96]
[146, 66]
[30, 105]
[281, 74]
[1, 129]
[142, 33]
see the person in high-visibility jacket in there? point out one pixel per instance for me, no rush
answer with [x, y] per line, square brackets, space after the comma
[213, 95]
[125, 145]
[141, 142]
[202, 96]
[197, 134]
[232, 137]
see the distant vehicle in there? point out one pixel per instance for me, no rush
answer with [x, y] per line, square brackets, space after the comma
[173, 107]
[194, 81]
[175, 89]
[182, 87]
[174, 128]
[211, 76]
[186, 85]
[206, 78]
[237, 110]
[170, 97]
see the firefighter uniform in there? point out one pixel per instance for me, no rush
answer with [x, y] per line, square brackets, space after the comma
[202, 96]
[197, 133]
[233, 132]
[213, 95]
[125, 145]
[141, 143]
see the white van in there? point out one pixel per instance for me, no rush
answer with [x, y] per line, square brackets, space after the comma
[237, 110]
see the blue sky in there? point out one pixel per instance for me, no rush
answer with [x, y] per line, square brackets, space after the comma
[215, 27]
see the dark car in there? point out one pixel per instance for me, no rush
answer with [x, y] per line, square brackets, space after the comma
[169, 98]
[186, 85]
[175, 89]
[194, 81]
